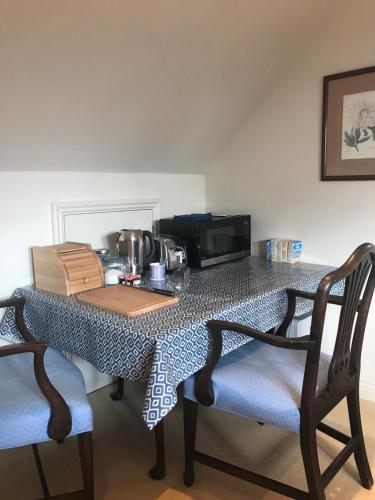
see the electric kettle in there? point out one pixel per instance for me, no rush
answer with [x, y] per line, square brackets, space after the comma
[131, 245]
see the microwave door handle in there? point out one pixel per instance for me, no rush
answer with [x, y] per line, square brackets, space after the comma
[198, 246]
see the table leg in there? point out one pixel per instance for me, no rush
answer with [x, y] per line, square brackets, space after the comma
[158, 471]
[118, 393]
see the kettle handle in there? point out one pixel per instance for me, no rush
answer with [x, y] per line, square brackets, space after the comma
[150, 236]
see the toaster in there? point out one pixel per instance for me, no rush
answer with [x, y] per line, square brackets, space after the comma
[170, 250]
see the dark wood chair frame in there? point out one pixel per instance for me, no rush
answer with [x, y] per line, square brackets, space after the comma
[60, 422]
[343, 378]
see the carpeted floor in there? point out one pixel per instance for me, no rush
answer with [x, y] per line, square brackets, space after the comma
[124, 451]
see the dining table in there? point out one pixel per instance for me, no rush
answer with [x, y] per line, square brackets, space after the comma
[164, 347]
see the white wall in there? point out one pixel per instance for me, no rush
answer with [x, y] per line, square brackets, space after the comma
[25, 208]
[272, 168]
[26, 217]
[151, 86]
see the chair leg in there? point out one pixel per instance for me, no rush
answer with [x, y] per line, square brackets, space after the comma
[42, 477]
[118, 393]
[85, 453]
[190, 430]
[360, 454]
[309, 449]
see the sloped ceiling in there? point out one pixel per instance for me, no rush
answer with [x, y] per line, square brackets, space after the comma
[140, 85]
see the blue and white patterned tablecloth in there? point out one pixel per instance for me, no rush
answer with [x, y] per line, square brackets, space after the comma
[166, 346]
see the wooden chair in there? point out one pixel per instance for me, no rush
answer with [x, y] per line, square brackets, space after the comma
[43, 397]
[289, 383]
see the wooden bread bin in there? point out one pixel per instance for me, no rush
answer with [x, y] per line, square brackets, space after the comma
[67, 268]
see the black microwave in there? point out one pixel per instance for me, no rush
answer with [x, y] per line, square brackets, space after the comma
[211, 239]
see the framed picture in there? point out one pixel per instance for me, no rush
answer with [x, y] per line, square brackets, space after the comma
[348, 141]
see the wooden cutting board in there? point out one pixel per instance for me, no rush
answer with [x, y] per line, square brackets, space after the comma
[126, 300]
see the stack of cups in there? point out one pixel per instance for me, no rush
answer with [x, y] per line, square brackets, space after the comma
[157, 271]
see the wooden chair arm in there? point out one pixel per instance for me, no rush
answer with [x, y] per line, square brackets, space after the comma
[332, 299]
[292, 294]
[19, 305]
[203, 386]
[60, 421]
[215, 327]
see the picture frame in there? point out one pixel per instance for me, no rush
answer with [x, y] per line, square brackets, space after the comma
[348, 129]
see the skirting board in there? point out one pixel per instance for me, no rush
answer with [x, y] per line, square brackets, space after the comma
[94, 379]
[367, 391]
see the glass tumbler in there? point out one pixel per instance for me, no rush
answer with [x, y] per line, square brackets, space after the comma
[113, 267]
[180, 278]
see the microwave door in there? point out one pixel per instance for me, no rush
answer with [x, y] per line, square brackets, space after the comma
[219, 241]
[224, 241]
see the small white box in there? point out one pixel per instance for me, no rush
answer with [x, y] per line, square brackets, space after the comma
[280, 250]
[294, 251]
[284, 250]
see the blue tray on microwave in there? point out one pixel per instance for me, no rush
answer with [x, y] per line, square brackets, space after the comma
[193, 217]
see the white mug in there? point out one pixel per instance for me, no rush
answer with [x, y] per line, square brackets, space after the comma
[157, 271]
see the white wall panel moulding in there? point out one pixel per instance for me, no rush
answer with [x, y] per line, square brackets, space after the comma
[62, 210]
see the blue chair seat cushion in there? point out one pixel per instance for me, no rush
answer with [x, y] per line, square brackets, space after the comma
[262, 383]
[25, 412]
